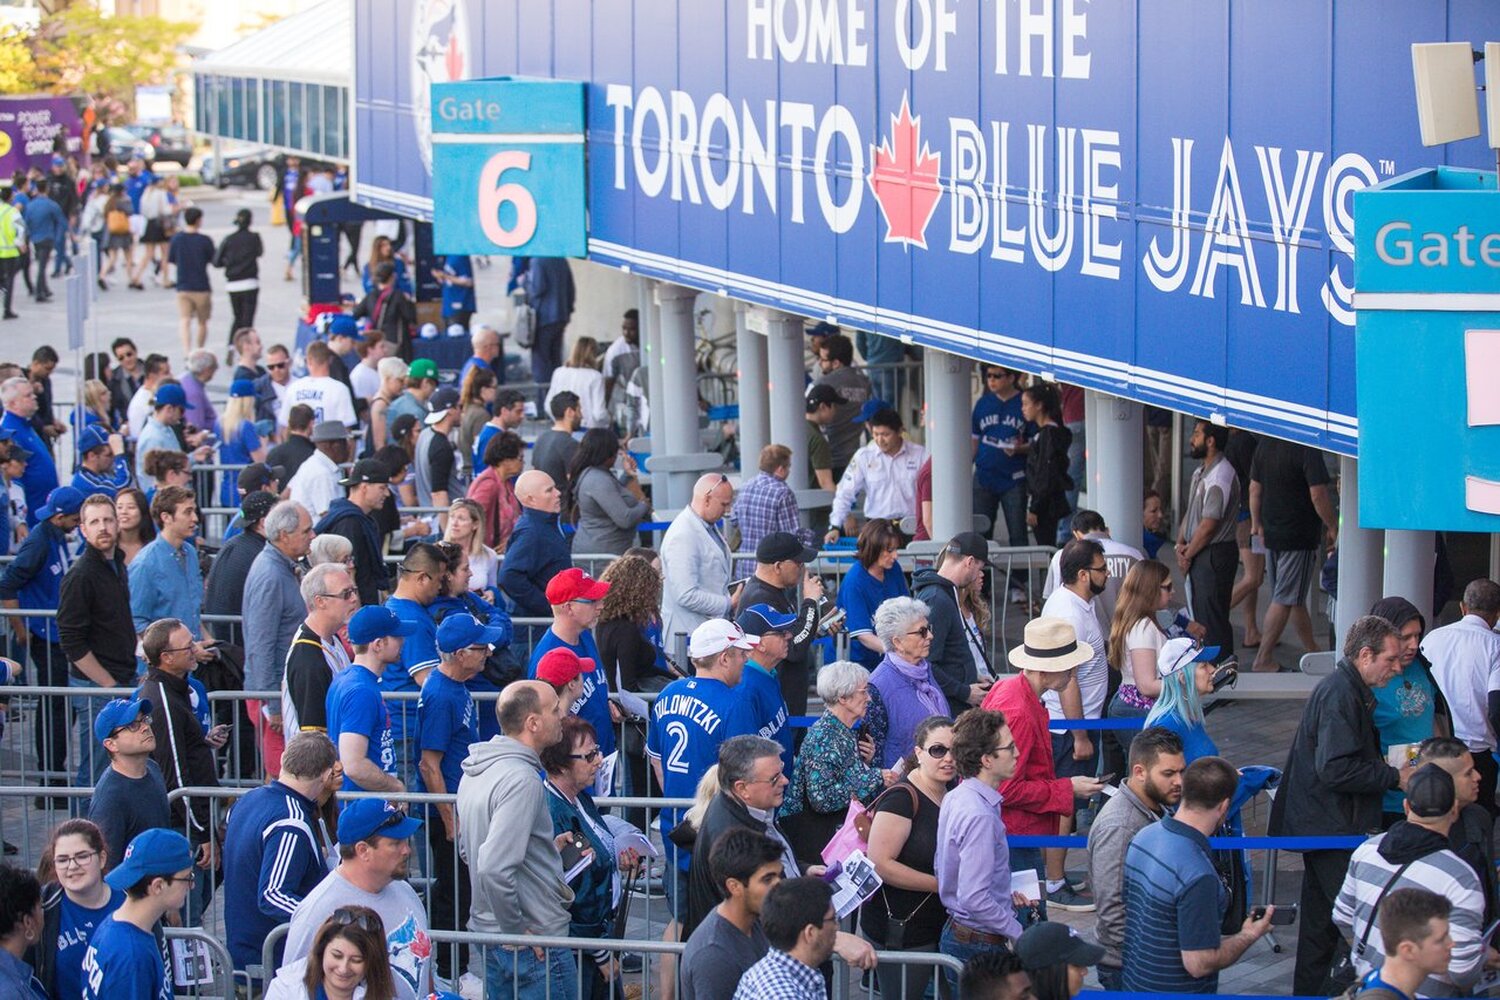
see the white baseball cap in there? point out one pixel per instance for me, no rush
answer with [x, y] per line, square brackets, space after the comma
[716, 635]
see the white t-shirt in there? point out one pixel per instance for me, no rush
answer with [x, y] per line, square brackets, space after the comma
[1144, 634]
[328, 397]
[366, 381]
[139, 411]
[588, 385]
[401, 912]
[316, 485]
[1093, 676]
[1465, 658]
[484, 569]
[1118, 556]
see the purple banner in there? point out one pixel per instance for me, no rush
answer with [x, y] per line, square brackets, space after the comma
[29, 127]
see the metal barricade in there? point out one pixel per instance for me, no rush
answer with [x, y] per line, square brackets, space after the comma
[218, 957]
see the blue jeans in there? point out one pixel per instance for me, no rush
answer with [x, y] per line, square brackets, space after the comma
[521, 974]
[1111, 979]
[1009, 505]
[93, 759]
[951, 946]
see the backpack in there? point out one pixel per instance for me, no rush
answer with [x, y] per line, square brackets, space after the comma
[117, 222]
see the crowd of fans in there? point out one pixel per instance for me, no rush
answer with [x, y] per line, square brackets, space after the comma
[388, 529]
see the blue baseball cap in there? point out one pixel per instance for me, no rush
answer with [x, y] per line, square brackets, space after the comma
[153, 852]
[364, 818]
[342, 325]
[170, 395]
[93, 436]
[758, 619]
[872, 407]
[375, 621]
[63, 500]
[457, 631]
[119, 713]
[822, 328]
[240, 388]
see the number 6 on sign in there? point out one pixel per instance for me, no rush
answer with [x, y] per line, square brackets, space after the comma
[493, 194]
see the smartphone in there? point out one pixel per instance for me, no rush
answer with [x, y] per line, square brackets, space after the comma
[572, 851]
[1284, 915]
[1107, 778]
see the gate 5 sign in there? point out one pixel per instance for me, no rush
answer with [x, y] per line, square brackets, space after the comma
[508, 168]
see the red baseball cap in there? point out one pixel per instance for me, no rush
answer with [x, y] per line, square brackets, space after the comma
[559, 666]
[574, 585]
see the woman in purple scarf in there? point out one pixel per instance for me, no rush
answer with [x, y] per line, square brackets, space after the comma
[904, 677]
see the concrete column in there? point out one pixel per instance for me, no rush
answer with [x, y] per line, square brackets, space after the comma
[1085, 485]
[1410, 557]
[650, 348]
[1359, 556]
[949, 387]
[755, 407]
[786, 374]
[1116, 465]
[674, 408]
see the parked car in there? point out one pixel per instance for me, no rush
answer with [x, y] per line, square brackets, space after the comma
[122, 144]
[173, 143]
[249, 166]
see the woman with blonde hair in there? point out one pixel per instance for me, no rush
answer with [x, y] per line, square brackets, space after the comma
[241, 445]
[466, 530]
[580, 374]
[95, 405]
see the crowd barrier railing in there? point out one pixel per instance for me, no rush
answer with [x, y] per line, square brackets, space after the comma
[217, 955]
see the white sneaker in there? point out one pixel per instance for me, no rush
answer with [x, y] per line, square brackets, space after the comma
[470, 987]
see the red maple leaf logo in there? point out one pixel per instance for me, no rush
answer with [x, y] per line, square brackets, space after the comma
[905, 181]
[453, 59]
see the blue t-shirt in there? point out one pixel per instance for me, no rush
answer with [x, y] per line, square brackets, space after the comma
[481, 441]
[1403, 714]
[762, 703]
[592, 705]
[1195, 739]
[236, 452]
[457, 298]
[124, 962]
[446, 722]
[354, 705]
[689, 719]
[191, 254]
[859, 595]
[75, 925]
[1174, 902]
[198, 699]
[135, 186]
[995, 421]
[418, 652]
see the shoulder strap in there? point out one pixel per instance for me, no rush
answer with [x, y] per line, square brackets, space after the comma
[1375, 910]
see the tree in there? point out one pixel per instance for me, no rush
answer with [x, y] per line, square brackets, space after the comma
[79, 50]
[17, 68]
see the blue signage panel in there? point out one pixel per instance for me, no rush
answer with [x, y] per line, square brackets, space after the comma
[1149, 197]
[1427, 294]
[508, 168]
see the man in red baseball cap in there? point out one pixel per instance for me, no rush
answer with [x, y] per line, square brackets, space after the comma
[574, 597]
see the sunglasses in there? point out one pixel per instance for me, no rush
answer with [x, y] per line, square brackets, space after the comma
[343, 595]
[925, 631]
[937, 751]
[344, 917]
[591, 756]
[273, 366]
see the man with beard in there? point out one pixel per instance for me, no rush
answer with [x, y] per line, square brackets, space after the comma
[1206, 547]
[1154, 785]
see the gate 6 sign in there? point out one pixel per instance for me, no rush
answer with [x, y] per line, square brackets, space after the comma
[508, 168]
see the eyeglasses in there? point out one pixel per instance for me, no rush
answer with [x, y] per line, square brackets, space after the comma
[925, 631]
[994, 374]
[344, 917]
[1100, 569]
[141, 723]
[774, 779]
[1004, 748]
[591, 756]
[937, 751]
[189, 878]
[74, 860]
[274, 366]
[178, 649]
[343, 595]
[1166, 588]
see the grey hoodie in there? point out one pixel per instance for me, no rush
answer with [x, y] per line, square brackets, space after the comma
[505, 834]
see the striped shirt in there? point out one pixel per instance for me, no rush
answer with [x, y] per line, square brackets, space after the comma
[1174, 902]
[1440, 871]
[272, 859]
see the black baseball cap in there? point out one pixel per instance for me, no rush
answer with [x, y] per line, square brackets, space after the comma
[781, 545]
[970, 543]
[823, 393]
[256, 476]
[401, 426]
[1430, 792]
[256, 505]
[367, 470]
[1052, 943]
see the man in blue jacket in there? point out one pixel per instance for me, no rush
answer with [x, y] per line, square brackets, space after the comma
[272, 853]
[47, 228]
[549, 287]
[34, 580]
[39, 478]
[538, 549]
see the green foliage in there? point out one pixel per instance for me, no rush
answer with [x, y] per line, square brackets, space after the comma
[79, 50]
[17, 68]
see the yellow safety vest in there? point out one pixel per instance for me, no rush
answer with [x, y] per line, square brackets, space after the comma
[10, 218]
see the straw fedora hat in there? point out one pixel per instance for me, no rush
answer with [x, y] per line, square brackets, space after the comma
[1050, 645]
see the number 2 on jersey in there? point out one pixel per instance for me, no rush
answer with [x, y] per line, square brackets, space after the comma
[678, 734]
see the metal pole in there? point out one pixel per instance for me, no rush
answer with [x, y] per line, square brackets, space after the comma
[1116, 465]
[785, 379]
[1359, 555]
[1409, 560]
[676, 433]
[755, 413]
[1175, 511]
[949, 389]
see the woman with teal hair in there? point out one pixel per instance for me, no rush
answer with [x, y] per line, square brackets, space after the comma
[1187, 674]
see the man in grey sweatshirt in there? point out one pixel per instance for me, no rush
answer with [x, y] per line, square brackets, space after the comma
[515, 867]
[1155, 783]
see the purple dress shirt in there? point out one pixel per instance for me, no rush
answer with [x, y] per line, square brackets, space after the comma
[973, 860]
[200, 412]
